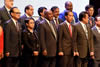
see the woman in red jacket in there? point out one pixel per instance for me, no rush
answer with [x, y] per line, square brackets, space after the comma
[1, 43]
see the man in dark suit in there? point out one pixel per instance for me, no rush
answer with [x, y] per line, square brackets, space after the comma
[69, 7]
[12, 33]
[66, 33]
[29, 10]
[84, 48]
[41, 11]
[90, 10]
[56, 19]
[4, 11]
[48, 40]
[96, 33]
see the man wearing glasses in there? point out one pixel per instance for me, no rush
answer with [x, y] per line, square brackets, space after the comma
[12, 34]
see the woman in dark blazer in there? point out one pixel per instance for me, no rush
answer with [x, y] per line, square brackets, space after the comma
[31, 44]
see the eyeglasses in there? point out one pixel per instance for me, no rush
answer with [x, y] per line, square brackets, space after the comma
[17, 12]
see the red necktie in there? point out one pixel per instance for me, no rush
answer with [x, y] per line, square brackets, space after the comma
[70, 30]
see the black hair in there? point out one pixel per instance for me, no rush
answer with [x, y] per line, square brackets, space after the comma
[53, 8]
[41, 10]
[82, 15]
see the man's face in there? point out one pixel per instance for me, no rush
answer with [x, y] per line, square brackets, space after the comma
[69, 17]
[69, 6]
[42, 13]
[49, 15]
[30, 24]
[16, 13]
[98, 21]
[90, 11]
[56, 12]
[30, 11]
[85, 19]
[9, 3]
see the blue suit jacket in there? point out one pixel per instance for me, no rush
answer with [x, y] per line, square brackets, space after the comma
[62, 16]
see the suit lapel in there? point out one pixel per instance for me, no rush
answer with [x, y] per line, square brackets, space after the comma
[81, 28]
[50, 28]
[5, 12]
[66, 26]
[72, 31]
[13, 25]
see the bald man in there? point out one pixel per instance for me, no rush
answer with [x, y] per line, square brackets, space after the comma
[68, 7]
[48, 40]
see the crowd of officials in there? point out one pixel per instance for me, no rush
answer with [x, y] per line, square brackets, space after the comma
[53, 40]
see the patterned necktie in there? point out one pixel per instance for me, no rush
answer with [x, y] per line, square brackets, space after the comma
[90, 21]
[70, 30]
[52, 28]
[56, 21]
[17, 26]
[85, 29]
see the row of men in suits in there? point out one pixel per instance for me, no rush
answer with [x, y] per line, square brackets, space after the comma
[49, 39]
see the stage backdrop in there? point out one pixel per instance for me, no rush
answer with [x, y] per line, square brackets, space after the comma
[78, 5]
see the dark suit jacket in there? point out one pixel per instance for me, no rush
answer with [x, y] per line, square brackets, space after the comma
[84, 45]
[65, 41]
[96, 43]
[37, 22]
[59, 21]
[4, 16]
[30, 41]
[22, 21]
[12, 39]
[47, 40]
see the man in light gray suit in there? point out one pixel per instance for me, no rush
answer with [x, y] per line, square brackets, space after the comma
[96, 33]
[84, 47]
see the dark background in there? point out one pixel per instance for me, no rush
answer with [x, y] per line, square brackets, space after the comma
[96, 4]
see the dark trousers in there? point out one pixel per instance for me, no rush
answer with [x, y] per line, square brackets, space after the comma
[1, 62]
[90, 62]
[48, 62]
[66, 61]
[30, 61]
[11, 62]
[97, 63]
[82, 62]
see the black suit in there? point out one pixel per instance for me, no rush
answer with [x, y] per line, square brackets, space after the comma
[65, 44]
[12, 43]
[49, 43]
[31, 43]
[4, 16]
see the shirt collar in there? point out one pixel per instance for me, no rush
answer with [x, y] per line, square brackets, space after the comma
[27, 15]
[97, 27]
[7, 9]
[14, 21]
[82, 23]
[67, 23]
[42, 17]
